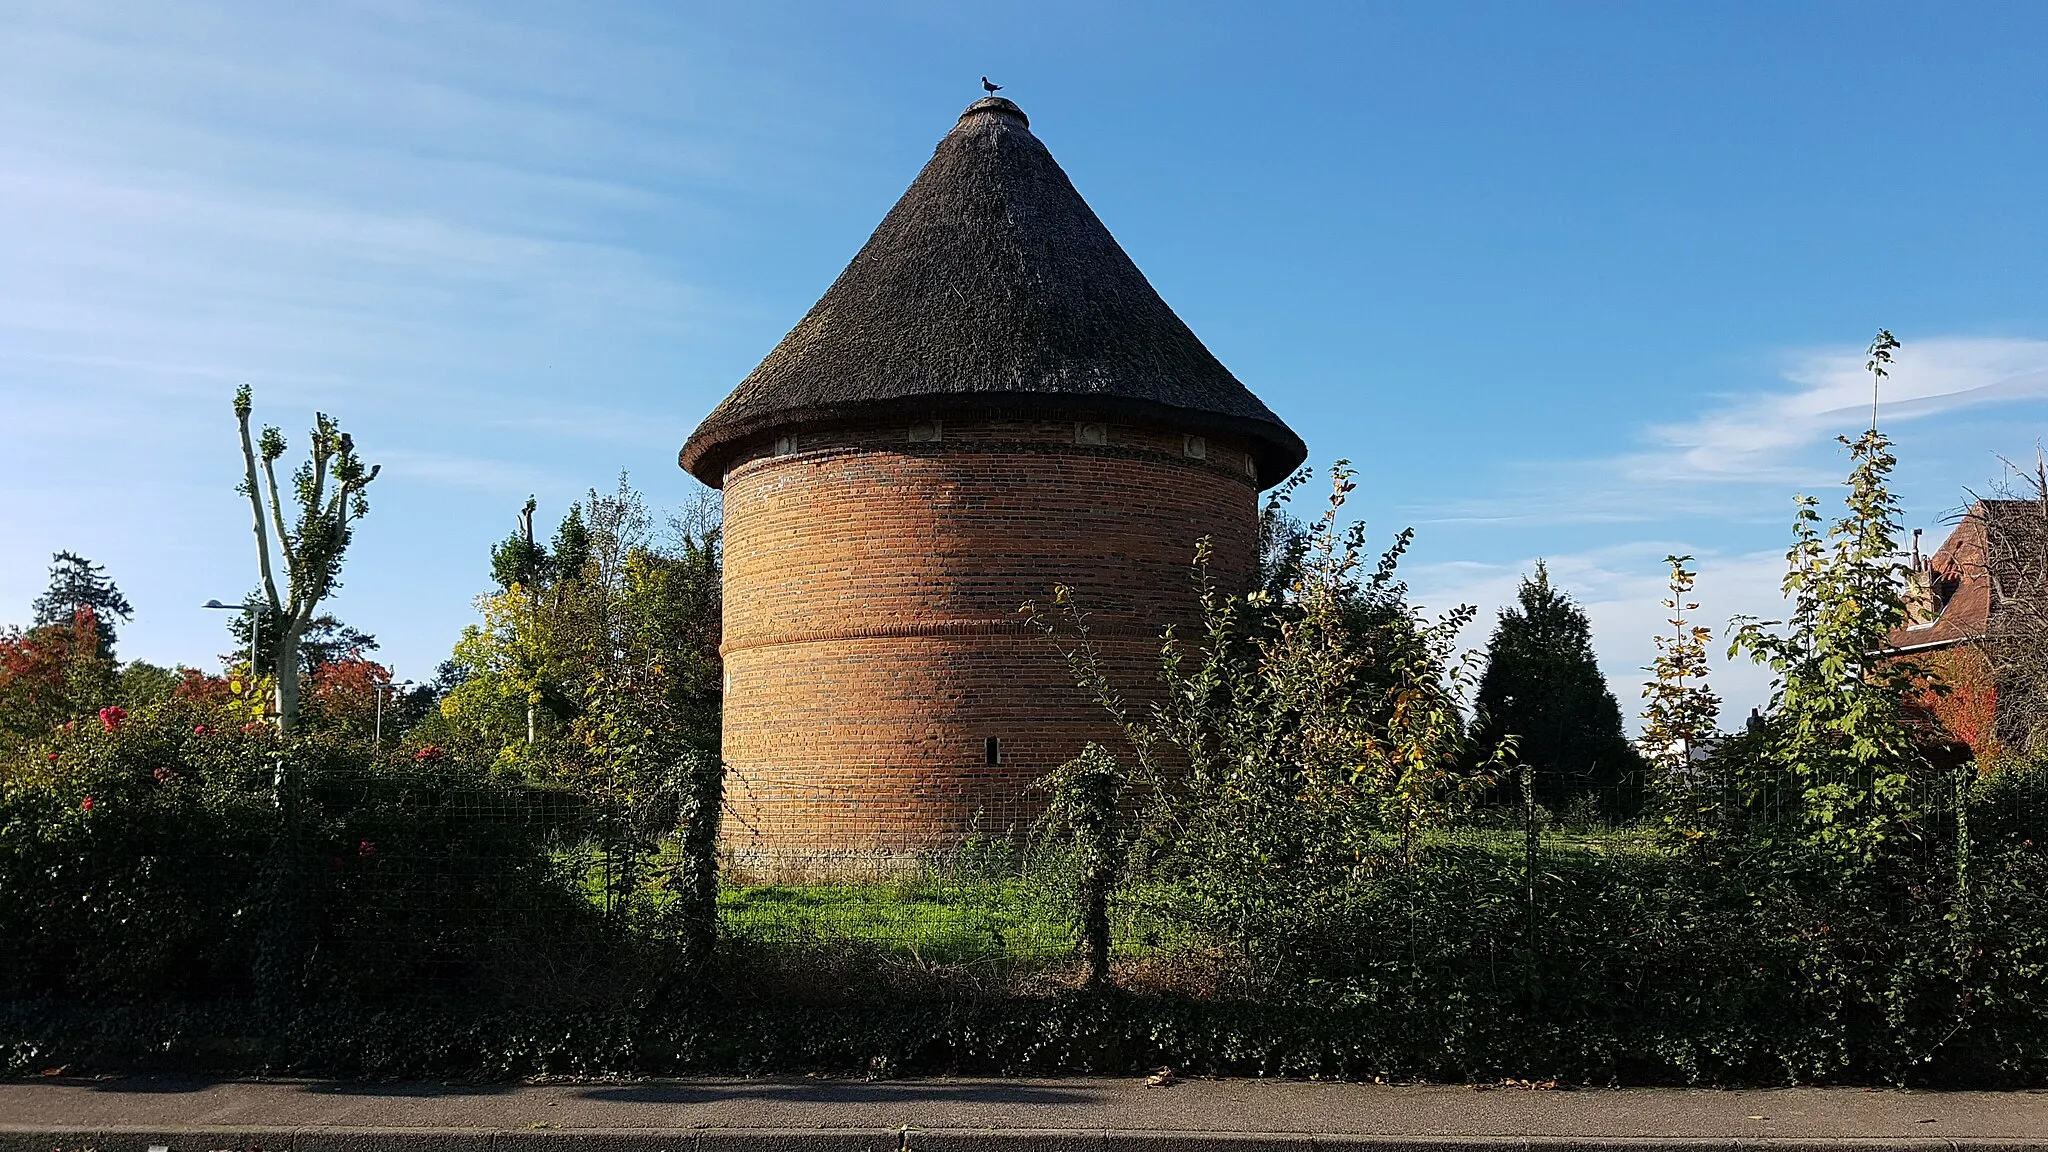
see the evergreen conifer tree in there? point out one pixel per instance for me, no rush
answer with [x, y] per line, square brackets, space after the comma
[75, 583]
[1543, 686]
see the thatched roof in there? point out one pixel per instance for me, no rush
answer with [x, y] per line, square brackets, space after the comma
[992, 287]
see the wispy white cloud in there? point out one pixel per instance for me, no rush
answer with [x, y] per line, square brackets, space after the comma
[1760, 438]
[1745, 451]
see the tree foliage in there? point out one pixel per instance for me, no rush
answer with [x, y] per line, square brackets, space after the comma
[325, 640]
[51, 675]
[1543, 686]
[327, 494]
[1837, 743]
[596, 666]
[1682, 713]
[76, 583]
[1313, 724]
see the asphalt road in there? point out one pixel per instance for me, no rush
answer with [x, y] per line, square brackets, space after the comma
[133, 1114]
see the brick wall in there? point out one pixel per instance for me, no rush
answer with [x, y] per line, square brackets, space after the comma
[873, 642]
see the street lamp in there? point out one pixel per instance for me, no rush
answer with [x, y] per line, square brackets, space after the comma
[378, 691]
[255, 612]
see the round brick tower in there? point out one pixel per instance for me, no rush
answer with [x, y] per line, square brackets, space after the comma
[990, 400]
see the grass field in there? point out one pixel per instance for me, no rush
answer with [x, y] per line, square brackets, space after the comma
[939, 917]
[935, 922]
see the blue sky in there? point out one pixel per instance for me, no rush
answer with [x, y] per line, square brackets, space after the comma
[1588, 282]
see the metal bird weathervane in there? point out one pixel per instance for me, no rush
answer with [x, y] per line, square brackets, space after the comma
[990, 88]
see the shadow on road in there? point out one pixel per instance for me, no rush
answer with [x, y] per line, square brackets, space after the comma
[409, 1091]
[841, 1092]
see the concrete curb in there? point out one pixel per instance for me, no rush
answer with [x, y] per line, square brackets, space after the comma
[20, 1138]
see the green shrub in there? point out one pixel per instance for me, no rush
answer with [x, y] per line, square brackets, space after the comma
[175, 853]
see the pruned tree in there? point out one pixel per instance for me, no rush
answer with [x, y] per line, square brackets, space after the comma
[1082, 813]
[325, 640]
[327, 493]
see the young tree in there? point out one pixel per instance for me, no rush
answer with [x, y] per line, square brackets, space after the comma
[327, 492]
[1679, 722]
[1680, 718]
[75, 583]
[602, 651]
[1838, 740]
[1543, 686]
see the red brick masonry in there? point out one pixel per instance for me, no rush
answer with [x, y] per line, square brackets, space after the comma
[873, 643]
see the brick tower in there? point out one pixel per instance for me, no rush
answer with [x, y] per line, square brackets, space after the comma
[990, 399]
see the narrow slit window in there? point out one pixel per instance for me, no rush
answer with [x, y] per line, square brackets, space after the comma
[992, 751]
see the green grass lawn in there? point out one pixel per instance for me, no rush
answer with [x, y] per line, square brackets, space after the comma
[941, 923]
[946, 917]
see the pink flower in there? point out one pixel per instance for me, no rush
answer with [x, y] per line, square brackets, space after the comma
[199, 729]
[111, 716]
[164, 775]
[53, 757]
[429, 753]
[86, 804]
[366, 849]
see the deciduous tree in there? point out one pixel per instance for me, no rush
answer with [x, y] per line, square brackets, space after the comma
[1837, 742]
[1681, 717]
[50, 675]
[327, 494]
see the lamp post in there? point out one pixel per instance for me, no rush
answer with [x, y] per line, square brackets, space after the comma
[255, 612]
[378, 690]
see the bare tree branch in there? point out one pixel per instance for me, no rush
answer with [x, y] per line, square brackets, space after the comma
[242, 409]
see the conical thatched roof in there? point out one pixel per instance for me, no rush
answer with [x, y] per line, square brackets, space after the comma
[992, 287]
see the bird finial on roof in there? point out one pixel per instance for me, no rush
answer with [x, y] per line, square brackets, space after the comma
[990, 88]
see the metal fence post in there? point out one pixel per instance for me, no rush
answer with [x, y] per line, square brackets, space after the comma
[1531, 846]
